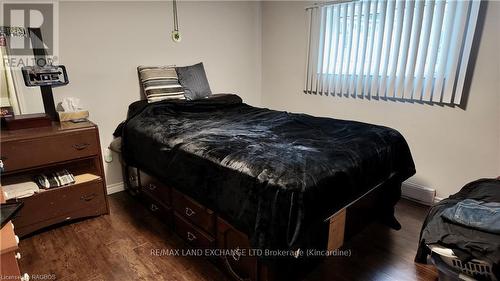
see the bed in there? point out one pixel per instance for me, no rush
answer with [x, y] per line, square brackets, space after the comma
[273, 175]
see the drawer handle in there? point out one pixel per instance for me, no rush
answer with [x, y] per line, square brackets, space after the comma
[189, 212]
[88, 197]
[236, 254]
[151, 186]
[80, 146]
[25, 277]
[18, 255]
[191, 236]
[228, 264]
[153, 208]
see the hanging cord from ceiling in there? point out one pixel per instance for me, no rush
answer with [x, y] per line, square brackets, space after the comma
[176, 19]
[176, 35]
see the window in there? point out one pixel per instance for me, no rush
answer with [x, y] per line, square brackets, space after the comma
[410, 50]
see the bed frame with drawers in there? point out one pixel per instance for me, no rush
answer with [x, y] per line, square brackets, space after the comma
[202, 228]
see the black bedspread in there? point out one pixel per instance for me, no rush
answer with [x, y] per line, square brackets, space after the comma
[272, 174]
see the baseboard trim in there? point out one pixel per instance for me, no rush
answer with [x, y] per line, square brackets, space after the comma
[418, 193]
[115, 187]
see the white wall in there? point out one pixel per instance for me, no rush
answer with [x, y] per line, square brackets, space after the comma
[450, 146]
[260, 48]
[102, 43]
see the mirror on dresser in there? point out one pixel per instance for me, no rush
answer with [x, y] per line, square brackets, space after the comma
[15, 97]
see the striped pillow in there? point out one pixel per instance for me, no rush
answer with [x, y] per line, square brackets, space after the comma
[160, 83]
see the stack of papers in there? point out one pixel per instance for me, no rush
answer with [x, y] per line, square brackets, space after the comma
[20, 190]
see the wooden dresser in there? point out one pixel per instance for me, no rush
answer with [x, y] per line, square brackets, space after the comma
[71, 146]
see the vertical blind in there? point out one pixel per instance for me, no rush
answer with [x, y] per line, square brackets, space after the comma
[409, 50]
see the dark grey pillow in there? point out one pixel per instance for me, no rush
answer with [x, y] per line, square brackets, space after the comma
[194, 81]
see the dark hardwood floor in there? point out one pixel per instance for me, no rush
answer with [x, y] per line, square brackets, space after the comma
[118, 247]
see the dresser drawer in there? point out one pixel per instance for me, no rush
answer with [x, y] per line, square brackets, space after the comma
[61, 201]
[9, 269]
[241, 267]
[27, 153]
[191, 234]
[155, 189]
[194, 212]
[88, 211]
[132, 177]
[164, 213]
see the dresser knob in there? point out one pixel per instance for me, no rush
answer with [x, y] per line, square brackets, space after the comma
[152, 186]
[191, 236]
[25, 277]
[18, 255]
[189, 212]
